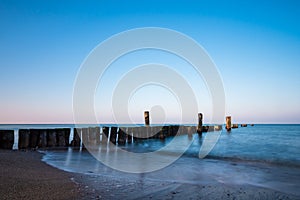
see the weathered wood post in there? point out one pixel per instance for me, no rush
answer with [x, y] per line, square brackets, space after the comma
[113, 134]
[105, 133]
[23, 138]
[6, 139]
[147, 119]
[135, 134]
[122, 135]
[76, 137]
[60, 137]
[92, 135]
[34, 138]
[129, 135]
[84, 137]
[228, 123]
[51, 137]
[43, 138]
[199, 127]
[97, 129]
[163, 132]
[235, 126]
[67, 136]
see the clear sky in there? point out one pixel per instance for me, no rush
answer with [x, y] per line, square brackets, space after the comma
[254, 44]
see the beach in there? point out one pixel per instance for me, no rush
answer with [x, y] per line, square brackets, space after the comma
[25, 176]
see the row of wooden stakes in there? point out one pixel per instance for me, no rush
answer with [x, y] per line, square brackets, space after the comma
[60, 137]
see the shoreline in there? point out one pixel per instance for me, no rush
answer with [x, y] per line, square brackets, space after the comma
[25, 175]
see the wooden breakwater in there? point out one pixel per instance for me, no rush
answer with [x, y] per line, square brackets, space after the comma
[101, 135]
[60, 137]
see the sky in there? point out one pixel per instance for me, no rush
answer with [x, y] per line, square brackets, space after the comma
[255, 46]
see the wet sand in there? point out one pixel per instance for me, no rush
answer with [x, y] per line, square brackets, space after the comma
[24, 176]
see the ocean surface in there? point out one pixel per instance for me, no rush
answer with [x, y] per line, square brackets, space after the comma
[262, 155]
[263, 142]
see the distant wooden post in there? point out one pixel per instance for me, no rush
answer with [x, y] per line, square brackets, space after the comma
[146, 116]
[228, 123]
[199, 127]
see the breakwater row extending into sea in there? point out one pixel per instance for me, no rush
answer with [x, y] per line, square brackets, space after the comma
[47, 136]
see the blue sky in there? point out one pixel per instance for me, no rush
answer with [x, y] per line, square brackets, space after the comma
[254, 44]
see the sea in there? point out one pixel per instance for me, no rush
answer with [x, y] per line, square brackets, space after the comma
[265, 155]
[273, 143]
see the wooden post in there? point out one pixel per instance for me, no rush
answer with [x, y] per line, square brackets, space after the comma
[6, 139]
[113, 134]
[51, 137]
[67, 136]
[97, 129]
[85, 137]
[23, 138]
[228, 123]
[60, 137]
[76, 137]
[199, 127]
[34, 138]
[135, 133]
[146, 116]
[129, 135]
[105, 133]
[122, 136]
[92, 135]
[235, 126]
[43, 138]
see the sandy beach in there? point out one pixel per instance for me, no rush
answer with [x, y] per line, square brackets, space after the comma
[24, 176]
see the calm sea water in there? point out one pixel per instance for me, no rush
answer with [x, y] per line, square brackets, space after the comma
[261, 155]
[265, 143]
[270, 143]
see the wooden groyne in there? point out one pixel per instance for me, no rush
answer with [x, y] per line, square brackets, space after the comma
[102, 135]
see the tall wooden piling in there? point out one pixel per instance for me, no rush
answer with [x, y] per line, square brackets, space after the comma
[147, 119]
[228, 123]
[199, 127]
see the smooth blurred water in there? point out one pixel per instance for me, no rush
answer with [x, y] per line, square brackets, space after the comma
[270, 143]
[266, 143]
[261, 155]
